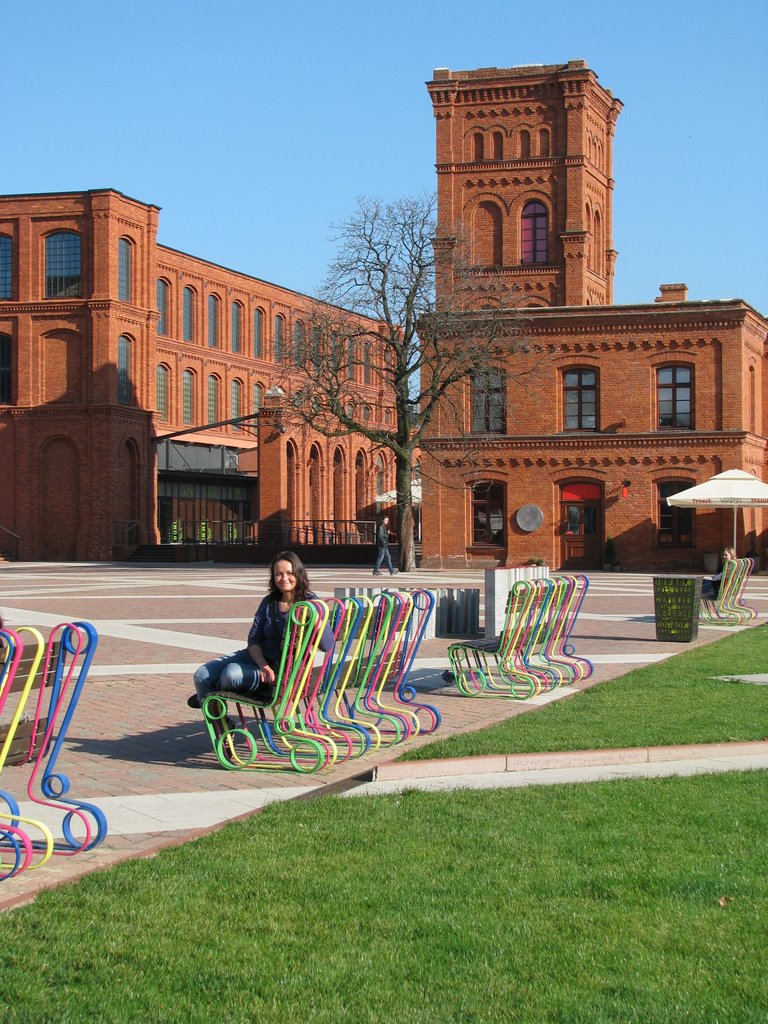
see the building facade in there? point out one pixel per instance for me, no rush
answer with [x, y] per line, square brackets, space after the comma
[605, 410]
[121, 361]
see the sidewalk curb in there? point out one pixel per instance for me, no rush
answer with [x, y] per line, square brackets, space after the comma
[488, 764]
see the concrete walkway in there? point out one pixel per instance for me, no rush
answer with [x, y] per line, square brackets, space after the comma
[143, 757]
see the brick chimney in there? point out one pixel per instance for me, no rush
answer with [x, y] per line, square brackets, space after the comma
[672, 293]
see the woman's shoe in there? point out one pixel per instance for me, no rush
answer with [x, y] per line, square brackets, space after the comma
[193, 702]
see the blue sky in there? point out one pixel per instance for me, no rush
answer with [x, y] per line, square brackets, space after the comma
[254, 126]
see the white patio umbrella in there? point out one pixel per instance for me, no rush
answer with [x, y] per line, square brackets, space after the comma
[735, 488]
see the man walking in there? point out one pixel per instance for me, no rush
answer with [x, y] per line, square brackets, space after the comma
[382, 548]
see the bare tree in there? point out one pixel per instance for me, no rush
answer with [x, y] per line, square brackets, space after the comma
[387, 379]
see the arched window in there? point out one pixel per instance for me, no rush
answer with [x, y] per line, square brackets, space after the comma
[544, 142]
[189, 314]
[360, 498]
[478, 145]
[316, 353]
[525, 144]
[213, 399]
[279, 338]
[381, 481]
[580, 399]
[291, 464]
[6, 267]
[534, 233]
[161, 391]
[498, 146]
[188, 397]
[315, 501]
[124, 383]
[488, 237]
[62, 265]
[213, 321]
[351, 358]
[236, 404]
[237, 327]
[488, 512]
[675, 524]
[258, 394]
[674, 396]
[162, 306]
[338, 484]
[367, 363]
[258, 333]
[124, 269]
[6, 379]
[299, 343]
[597, 261]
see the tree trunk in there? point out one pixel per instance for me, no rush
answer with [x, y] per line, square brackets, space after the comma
[405, 514]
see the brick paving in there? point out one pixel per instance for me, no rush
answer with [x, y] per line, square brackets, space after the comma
[134, 737]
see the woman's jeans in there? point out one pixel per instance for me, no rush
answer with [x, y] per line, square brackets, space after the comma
[235, 672]
[383, 555]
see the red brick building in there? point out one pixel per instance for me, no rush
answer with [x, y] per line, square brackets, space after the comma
[109, 342]
[608, 409]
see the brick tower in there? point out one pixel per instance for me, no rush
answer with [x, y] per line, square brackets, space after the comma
[525, 187]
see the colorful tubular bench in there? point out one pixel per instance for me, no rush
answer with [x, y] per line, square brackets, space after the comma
[40, 687]
[534, 652]
[728, 608]
[328, 708]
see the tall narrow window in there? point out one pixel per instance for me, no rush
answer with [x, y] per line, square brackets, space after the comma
[124, 269]
[674, 396]
[525, 144]
[162, 306]
[279, 338]
[675, 524]
[189, 314]
[5, 368]
[498, 146]
[488, 235]
[213, 321]
[478, 144]
[258, 392]
[188, 397]
[62, 265]
[366, 363]
[161, 388]
[534, 233]
[544, 142]
[213, 399]
[488, 412]
[258, 333]
[237, 327]
[316, 352]
[236, 403]
[351, 357]
[580, 399]
[6, 267]
[488, 512]
[299, 343]
[124, 387]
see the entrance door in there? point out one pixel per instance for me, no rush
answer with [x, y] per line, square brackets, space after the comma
[581, 526]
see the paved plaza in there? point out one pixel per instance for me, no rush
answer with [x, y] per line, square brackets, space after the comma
[137, 751]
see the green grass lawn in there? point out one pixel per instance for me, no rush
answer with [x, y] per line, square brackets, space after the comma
[679, 700]
[584, 903]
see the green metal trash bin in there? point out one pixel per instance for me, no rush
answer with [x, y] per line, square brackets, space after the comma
[676, 602]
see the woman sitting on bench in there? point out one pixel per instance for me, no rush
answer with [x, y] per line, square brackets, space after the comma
[710, 585]
[252, 671]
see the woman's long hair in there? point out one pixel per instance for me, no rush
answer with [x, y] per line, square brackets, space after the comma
[302, 590]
